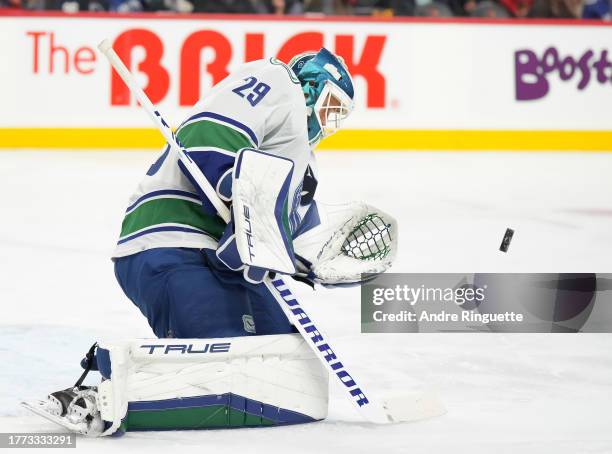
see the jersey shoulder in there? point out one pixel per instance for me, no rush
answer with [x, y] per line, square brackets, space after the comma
[284, 85]
[276, 63]
[257, 101]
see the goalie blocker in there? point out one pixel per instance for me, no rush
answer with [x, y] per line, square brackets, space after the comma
[174, 384]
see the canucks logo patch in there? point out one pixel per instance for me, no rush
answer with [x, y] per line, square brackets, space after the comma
[292, 76]
[248, 323]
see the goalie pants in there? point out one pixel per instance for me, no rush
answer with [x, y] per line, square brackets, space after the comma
[188, 293]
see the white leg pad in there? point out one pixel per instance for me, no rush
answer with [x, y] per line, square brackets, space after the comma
[274, 378]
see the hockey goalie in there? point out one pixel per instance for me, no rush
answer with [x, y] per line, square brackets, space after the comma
[225, 354]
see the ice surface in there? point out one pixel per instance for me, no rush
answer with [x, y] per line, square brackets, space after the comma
[540, 393]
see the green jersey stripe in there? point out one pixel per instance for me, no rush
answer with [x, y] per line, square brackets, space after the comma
[171, 211]
[207, 133]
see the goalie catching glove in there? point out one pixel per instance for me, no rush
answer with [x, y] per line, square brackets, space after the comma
[339, 244]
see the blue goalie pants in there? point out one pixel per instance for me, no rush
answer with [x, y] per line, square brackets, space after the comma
[188, 293]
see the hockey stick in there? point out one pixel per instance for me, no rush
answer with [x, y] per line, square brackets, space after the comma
[400, 408]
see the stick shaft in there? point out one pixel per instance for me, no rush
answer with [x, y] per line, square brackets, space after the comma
[278, 288]
[320, 345]
[125, 74]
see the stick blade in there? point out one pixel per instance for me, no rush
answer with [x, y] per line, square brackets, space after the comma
[412, 407]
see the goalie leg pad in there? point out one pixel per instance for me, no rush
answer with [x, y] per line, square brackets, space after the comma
[173, 384]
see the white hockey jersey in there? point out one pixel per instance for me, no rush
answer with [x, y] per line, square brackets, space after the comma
[260, 105]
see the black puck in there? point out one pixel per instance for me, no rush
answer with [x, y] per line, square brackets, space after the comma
[505, 244]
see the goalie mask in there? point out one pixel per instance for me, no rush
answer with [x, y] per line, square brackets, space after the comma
[328, 89]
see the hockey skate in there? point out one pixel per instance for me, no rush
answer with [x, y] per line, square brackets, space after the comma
[73, 408]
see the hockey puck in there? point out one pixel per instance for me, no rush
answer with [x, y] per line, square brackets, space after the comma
[505, 244]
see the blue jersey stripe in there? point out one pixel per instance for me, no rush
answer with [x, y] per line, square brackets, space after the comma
[190, 195]
[165, 228]
[244, 128]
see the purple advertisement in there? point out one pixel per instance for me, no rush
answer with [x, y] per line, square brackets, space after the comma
[534, 70]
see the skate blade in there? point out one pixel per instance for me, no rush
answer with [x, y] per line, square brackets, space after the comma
[38, 407]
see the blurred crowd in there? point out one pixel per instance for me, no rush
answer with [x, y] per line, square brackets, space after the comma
[568, 9]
